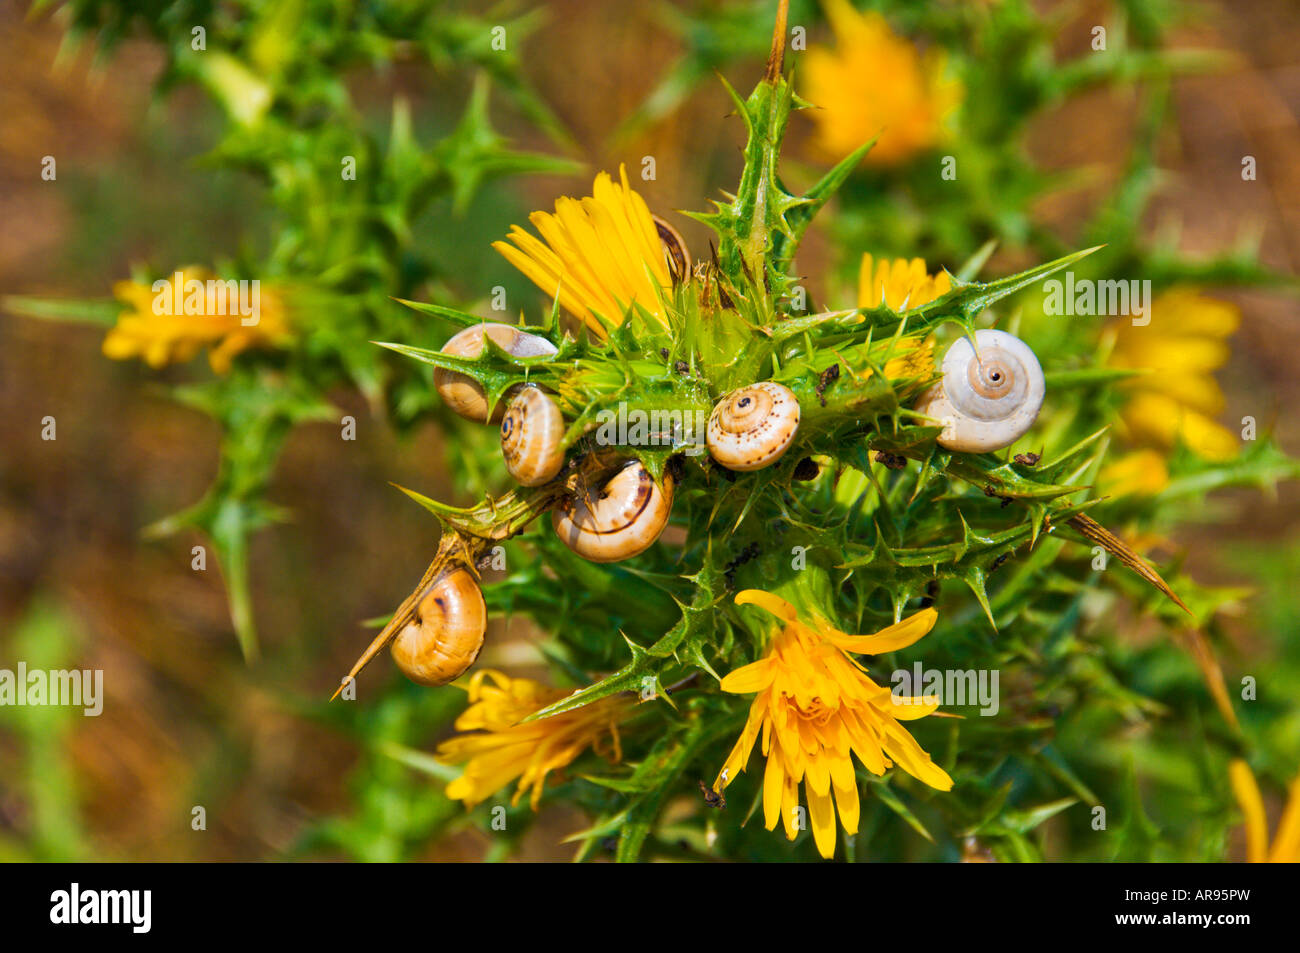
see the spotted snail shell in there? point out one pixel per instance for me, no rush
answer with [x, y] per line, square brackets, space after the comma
[446, 635]
[532, 432]
[751, 427]
[990, 394]
[674, 248]
[623, 521]
[461, 392]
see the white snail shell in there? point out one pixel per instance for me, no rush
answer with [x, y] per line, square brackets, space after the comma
[751, 427]
[623, 521]
[532, 432]
[675, 251]
[460, 391]
[446, 635]
[988, 400]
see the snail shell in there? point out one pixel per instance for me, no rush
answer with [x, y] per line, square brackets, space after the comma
[675, 251]
[988, 400]
[623, 521]
[532, 434]
[461, 392]
[446, 635]
[751, 427]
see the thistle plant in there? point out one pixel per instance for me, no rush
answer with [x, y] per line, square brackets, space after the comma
[840, 486]
[894, 574]
[344, 230]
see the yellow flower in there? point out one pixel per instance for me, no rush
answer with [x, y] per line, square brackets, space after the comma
[602, 253]
[1286, 845]
[1141, 472]
[815, 705]
[899, 284]
[875, 82]
[501, 749]
[170, 321]
[1181, 347]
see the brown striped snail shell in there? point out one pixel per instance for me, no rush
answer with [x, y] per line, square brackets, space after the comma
[446, 634]
[990, 393]
[532, 437]
[751, 427]
[461, 392]
[675, 251]
[623, 521]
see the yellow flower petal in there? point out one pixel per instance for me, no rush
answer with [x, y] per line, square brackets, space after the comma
[1153, 418]
[821, 815]
[1142, 472]
[910, 708]
[500, 749]
[1286, 845]
[749, 678]
[1246, 790]
[602, 252]
[897, 636]
[774, 783]
[765, 600]
[846, 796]
[899, 284]
[1180, 348]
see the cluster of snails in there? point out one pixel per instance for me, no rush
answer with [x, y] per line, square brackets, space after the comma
[749, 428]
[622, 519]
[989, 394]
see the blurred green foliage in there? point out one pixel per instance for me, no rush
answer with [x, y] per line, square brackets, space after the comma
[340, 215]
[40, 766]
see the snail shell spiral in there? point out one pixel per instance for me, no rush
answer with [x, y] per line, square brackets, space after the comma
[675, 251]
[751, 427]
[446, 635]
[532, 434]
[461, 392]
[623, 521]
[986, 400]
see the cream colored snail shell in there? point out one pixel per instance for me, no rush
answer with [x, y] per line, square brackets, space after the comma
[751, 427]
[461, 392]
[675, 251]
[532, 434]
[623, 521]
[446, 635]
[986, 401]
